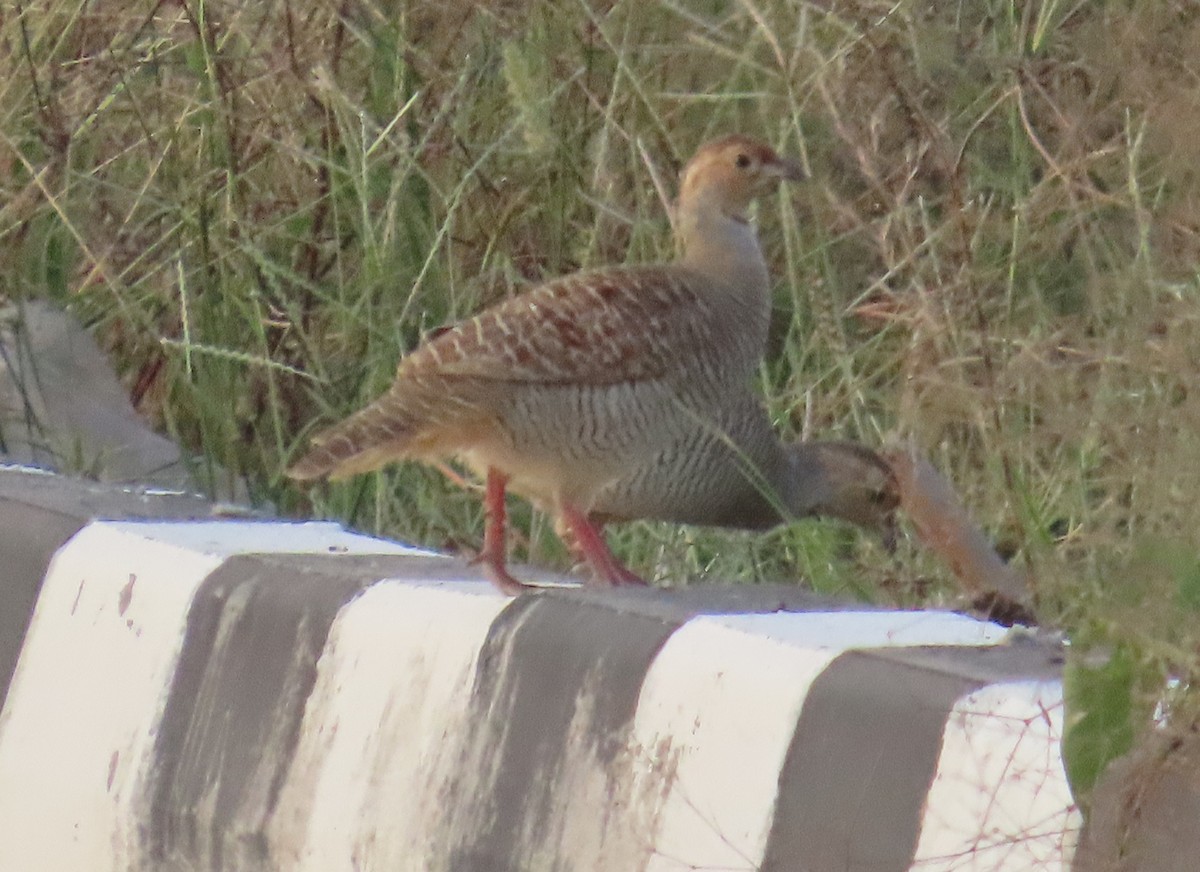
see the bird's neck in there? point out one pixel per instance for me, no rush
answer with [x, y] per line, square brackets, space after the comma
[769, 497]
[766, 494]
[722, 247]
[804, 485]
[784, 483]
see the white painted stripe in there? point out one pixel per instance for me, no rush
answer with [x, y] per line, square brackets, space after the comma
[7, 466]
[715, 718]
[228, 537]
[1000, 801]
[383, 728]
[76, 732]
[845, 630]
[719, 708]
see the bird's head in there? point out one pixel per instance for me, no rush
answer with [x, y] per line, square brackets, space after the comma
[847, 481]
[729, 173]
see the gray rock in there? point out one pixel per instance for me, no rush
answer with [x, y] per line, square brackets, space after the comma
[63, 408]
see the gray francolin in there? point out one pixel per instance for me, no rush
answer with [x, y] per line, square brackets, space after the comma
[558, 392]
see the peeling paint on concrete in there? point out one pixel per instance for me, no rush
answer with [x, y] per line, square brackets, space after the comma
[296, 698]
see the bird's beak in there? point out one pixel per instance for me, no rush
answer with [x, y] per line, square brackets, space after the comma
[787, 170]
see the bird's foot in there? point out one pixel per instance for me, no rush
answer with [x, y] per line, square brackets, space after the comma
[499, 575]
[495, 567]
[622, 576]
[586, 538]
[493, 556]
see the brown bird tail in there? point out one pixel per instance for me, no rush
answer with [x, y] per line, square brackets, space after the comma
[365, 441]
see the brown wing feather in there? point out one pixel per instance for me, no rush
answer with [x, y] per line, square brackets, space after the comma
[596, 328]
[593, 328]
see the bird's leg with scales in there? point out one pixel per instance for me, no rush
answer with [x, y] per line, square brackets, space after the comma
[494, 554]
[585, 538]
[581, 535]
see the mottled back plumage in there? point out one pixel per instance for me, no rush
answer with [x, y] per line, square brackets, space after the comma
[618, 326]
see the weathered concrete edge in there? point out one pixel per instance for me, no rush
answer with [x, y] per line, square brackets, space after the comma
[39, 512]
[513, 656]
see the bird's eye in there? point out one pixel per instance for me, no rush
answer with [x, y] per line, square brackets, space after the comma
[742, 161]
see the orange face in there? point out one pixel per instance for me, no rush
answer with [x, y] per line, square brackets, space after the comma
[734, 170]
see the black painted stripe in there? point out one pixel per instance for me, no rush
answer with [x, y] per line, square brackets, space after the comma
[254, 633]
[559, 669]
[853, 787]
[549, 661]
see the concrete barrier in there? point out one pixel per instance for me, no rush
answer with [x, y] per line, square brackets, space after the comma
[245, 695]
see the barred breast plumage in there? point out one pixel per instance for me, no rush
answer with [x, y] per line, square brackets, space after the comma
[731, 470]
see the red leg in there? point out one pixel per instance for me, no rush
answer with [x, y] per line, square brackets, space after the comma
[567, 536]
[587, 539]
[494, 554]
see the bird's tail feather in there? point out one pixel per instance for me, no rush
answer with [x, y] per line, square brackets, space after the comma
[365, 441]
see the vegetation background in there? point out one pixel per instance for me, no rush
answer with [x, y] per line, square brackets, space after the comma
[258, 207]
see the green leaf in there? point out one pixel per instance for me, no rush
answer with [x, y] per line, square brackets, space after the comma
[1098, 694]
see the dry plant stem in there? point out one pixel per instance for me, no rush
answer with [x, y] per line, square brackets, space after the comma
[943, 525]
[493, 555]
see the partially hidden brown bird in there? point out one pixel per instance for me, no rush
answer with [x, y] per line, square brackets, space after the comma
[732, 471]
[559, 392]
